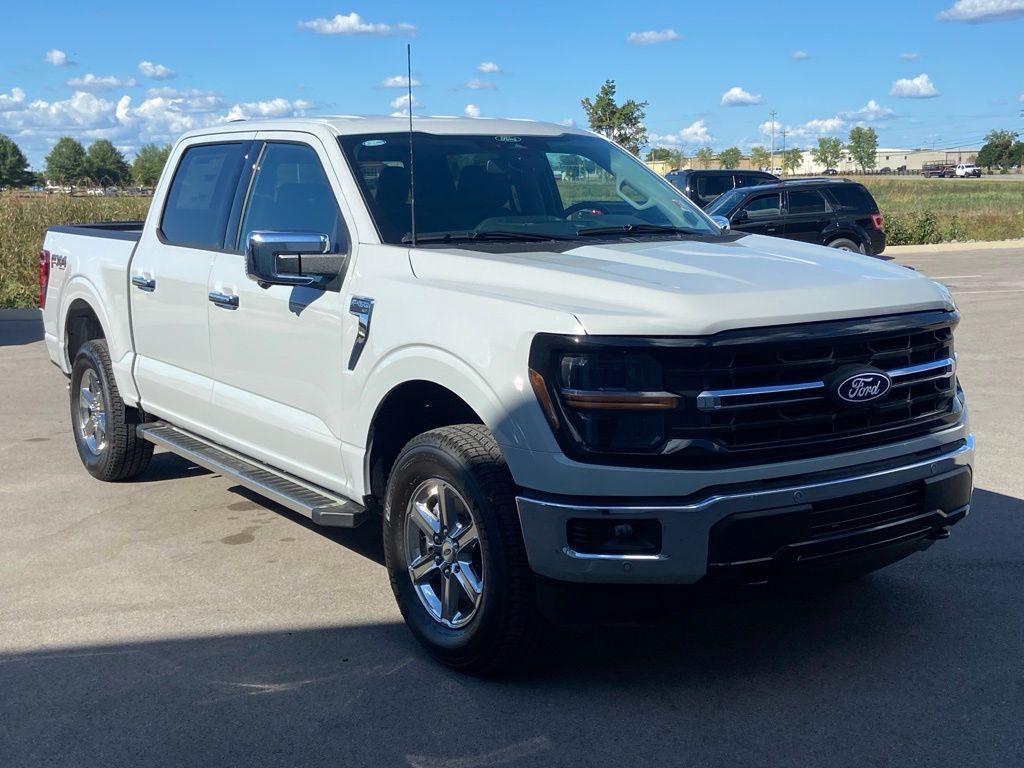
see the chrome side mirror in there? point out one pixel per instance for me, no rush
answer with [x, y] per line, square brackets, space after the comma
[291, 258]
[722, 222]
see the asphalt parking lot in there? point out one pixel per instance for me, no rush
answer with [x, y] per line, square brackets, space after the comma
[180, 621]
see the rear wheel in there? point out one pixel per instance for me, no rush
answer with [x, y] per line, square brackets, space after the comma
[455, 554]
[844, 244]
[104, 428]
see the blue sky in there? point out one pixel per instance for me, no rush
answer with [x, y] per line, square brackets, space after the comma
[922, 72]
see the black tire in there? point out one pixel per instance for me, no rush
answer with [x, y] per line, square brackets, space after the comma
[845, 244]
[502, 632]
[122, 454]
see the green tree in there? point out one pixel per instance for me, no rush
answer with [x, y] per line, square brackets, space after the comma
[760, 157]
[105, 164]
[863, 147]
[704, 156]
[673, 157]
[149, 163]
[622, 123]
[730, 158]
[828, 151]
[13, 165]
[998, 150]
[791, 160]
[65, 165]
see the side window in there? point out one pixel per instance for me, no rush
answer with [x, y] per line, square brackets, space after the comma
[849, 197]
[200, 196]
[710, 187]
[763, 206]
[806, 201]
[290, 193]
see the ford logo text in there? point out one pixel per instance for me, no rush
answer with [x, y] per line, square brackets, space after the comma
[864, 387]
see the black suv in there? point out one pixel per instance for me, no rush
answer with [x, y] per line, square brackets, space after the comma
[834, 212]
[703, 187]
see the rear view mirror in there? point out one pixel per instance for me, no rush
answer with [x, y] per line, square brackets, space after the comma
[291, 258]
[722, 222]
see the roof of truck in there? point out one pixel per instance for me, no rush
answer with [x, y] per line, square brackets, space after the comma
[362, 124]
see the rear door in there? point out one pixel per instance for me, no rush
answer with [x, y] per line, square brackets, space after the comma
[278, 353]
[807, 216]
[169, 273]
[760, 215]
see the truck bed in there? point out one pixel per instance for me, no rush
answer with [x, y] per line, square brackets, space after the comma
[111, 230]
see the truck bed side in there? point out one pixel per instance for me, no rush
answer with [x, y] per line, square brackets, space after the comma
[87, 294]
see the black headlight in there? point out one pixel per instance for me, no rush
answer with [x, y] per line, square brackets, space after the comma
[601, 399]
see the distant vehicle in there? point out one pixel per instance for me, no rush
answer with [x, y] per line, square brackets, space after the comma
[885, 170]
[776, 171]
[704, 186]
[830, 172]
[838, 213]
[901, 169]
[967, 171]
[938, 169]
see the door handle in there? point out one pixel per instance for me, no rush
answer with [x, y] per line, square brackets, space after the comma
[147, 284]
[227, 301]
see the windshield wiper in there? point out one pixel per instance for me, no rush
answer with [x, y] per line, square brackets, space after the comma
[641, 229]
[473, 235]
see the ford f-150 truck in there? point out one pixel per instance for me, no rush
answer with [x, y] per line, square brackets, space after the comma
[530, 360]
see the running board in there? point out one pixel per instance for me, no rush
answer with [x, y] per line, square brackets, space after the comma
[321, 506]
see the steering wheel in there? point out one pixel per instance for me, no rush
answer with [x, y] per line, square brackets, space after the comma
[591, 208]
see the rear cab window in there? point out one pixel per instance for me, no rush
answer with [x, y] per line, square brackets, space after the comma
[199, 200]
[708, 188]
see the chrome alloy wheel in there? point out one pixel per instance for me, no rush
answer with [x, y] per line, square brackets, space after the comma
[92, 413]
[443, 553]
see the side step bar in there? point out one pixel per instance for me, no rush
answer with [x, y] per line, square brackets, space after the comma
[321, 506]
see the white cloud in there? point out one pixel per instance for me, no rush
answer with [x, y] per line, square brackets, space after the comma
[978, 11]
[737, 97]
[399, 81]
[870, 112]
[14, 101]
[353, 24]
[653, 37]
[278, 107]
[156, 71]
[58, 58]
[695, 133]
[488, 67]
[920, 87]
[476, 84]
[91, 82]
[801, 55]
[472, 110]
[812, 128]
[401, 105]
[910, 56]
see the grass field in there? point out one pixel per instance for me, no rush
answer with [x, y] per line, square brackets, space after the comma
[916, 211]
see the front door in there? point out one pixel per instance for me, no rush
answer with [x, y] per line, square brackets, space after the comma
[760, 215]
[277, 351]
[169, 273]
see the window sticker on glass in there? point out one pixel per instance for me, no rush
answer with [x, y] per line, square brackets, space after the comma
[374, 143]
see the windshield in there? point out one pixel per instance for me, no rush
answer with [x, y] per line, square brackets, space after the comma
[723, 203]
[515, 187]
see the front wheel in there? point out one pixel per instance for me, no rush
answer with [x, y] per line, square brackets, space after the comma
[455, 554]
[103, 428]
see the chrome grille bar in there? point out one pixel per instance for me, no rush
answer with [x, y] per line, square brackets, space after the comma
[784, 394]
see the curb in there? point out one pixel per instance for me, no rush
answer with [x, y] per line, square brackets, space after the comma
[980, 245]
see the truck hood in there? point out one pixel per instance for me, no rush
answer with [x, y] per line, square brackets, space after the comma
[687, 287]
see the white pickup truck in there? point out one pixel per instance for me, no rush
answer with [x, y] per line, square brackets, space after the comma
[529, 359]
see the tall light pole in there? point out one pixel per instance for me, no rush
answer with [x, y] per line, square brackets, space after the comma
[782, 132]
[772, 115]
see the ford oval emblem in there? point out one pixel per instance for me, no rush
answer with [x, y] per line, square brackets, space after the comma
[863, 387]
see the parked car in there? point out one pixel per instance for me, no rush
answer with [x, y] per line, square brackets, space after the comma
[838, 213]
[529, 387]
[703, 186]
[885, 170]
[830, 172]
[967, 171]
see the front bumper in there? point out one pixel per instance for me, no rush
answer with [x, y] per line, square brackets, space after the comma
[682, 555]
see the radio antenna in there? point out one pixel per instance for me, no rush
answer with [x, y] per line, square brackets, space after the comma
[412, 183]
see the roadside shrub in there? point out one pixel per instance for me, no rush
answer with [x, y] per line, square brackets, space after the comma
[922, 228]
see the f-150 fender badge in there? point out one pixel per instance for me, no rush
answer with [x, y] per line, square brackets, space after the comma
[362, 308]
